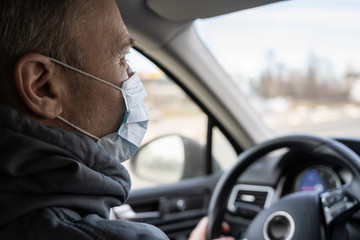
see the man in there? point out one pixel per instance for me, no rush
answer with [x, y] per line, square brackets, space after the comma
[63, 98]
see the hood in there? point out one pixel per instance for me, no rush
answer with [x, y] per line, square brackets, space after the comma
[42, 167]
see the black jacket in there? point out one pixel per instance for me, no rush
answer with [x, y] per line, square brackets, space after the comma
[58, 185]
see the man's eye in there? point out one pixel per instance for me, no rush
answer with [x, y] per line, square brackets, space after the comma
[123, 62]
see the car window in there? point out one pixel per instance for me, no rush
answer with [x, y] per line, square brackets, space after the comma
[174, 146]
[224, 155]
[296, 62]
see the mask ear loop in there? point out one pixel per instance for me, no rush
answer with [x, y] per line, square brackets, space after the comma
[77, 128]
[84, 73]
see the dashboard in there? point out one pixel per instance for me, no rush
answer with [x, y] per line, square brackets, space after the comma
[320, 175]
[289, 171]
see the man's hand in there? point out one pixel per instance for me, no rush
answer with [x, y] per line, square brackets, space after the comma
[199, 232]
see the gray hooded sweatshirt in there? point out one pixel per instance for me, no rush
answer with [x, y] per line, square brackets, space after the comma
[58, 185]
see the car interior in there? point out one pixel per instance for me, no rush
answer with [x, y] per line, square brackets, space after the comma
[208, 152]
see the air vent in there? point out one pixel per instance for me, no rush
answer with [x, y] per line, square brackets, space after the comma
[248, 200]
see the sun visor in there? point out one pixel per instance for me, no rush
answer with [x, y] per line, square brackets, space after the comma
[184, 10]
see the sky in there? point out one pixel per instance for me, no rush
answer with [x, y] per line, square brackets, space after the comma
[289, 32]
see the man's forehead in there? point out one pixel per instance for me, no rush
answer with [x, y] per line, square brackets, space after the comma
[109, 30]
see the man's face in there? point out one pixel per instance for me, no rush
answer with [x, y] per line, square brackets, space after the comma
[87, 103]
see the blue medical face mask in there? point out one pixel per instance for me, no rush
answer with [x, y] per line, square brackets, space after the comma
[122, 144]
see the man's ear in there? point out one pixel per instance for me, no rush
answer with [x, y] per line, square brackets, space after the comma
[36, 83]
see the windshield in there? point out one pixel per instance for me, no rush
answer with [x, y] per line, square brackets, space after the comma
[297, 63]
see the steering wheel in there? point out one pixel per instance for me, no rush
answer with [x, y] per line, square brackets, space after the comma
[303, 215]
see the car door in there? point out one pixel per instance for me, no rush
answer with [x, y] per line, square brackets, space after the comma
[176, 169]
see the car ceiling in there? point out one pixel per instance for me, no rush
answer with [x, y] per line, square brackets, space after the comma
[173, 16]
[184, 10]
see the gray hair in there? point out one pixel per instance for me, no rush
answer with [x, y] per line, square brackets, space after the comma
[48, 27]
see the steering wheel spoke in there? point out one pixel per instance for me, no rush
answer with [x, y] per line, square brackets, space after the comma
[337, 205]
